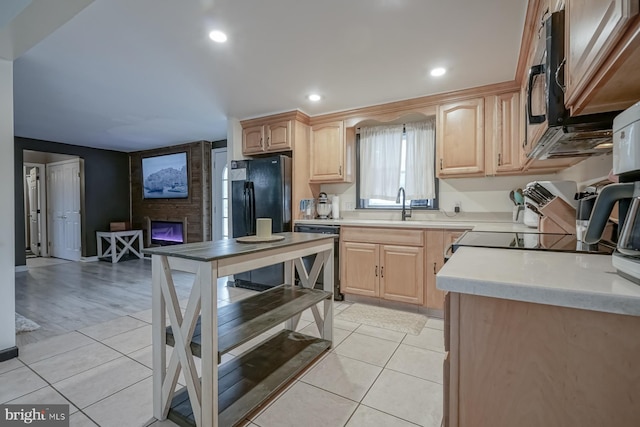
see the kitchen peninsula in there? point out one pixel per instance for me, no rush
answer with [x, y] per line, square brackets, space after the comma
[225, 394]
[556, 335]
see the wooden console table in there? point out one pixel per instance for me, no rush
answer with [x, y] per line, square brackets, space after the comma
[226, 394]
[120, 242]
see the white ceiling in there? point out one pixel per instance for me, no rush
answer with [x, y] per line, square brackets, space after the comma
[139, 74]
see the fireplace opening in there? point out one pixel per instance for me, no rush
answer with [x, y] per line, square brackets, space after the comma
[167, 233]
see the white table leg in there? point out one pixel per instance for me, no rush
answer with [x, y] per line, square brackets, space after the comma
[139, 237]
[289, 279]
[158, 337]
[114, 257]
[327, 330]
[209, 345]
[99, 241]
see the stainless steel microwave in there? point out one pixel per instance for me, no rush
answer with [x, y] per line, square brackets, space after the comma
[548, 121]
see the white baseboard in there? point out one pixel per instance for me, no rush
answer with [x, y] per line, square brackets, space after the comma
[89, 259]
[20, 268]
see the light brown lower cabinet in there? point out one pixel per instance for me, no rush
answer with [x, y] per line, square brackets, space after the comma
[383, 263]
[512, 363]
[359, 268]
[438, 241]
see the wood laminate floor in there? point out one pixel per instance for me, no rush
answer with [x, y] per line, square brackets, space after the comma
[68, 296]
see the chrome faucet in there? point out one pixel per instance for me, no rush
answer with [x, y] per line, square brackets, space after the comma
[405, 214]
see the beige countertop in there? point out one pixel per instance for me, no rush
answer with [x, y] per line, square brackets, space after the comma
[452, 224]
[584, 281]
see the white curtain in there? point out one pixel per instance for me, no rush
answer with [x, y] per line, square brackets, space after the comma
[380, 161]
[420, 166]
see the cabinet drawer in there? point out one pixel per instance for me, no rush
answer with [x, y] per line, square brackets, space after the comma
[386, 236]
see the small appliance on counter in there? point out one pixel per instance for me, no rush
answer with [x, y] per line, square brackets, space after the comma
[626, 164]
[324, 206]
[307, 208]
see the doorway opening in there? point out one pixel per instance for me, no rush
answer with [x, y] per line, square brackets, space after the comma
[220, 196]
[52, 199]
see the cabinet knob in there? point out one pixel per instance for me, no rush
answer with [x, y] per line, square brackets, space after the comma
[376, 271]
[382, 271]
[340, 170]
[499, 159]
[434, 268]
[440, 164]
[268, 141]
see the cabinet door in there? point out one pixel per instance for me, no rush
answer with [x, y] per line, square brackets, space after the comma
[402, 273]
[438, 241]
[359, 268]
[278, 136]
[506, 136]
[434, 260]
[328, 152]
[593, 27]
[252, 140]
[460, 138]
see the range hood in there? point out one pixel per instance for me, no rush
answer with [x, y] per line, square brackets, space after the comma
[580, 136]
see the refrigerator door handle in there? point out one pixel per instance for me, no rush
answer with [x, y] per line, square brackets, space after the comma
[252, 203]
[246, 208]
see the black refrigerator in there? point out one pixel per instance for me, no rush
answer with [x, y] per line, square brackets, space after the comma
[260, 188]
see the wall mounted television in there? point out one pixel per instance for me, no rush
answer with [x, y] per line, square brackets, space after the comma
[165, 177]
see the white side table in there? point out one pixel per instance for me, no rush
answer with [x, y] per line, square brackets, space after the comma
[120, 242]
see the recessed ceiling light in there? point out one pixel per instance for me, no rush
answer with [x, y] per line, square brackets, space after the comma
[218, 36]
[314, 97]
[437, 72]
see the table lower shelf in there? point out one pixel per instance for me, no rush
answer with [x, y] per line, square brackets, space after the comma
[246, 319]
[249, 380]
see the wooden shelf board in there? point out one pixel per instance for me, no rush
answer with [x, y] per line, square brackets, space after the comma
[246, 382]
[246, 319]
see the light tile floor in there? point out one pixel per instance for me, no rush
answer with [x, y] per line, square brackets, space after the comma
[372, 377]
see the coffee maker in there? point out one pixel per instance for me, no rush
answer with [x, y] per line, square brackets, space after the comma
[626, 165]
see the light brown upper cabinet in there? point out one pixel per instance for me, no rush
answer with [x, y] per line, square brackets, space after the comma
[602, 54]
[267, 138]
[286, 133]
[460, 138]
[331, 153]
[503, 133]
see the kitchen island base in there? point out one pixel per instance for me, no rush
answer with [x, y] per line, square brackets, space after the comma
[513, 363]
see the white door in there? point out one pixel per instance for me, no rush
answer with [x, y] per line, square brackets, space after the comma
[220, 198]
[33, 189]
[63, 182]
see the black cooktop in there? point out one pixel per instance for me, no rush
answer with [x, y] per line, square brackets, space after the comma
[530, 241]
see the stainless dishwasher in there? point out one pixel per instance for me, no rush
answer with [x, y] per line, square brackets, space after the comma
[308, 261]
